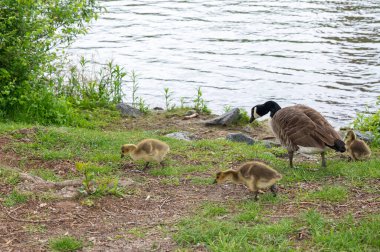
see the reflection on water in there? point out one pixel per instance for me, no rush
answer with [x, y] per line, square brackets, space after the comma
[317, 52]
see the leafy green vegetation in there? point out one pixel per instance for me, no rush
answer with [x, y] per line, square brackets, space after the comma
[30, 33]
[370, 122]
[65, 244]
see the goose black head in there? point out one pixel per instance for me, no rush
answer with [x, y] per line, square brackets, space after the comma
[263, 109]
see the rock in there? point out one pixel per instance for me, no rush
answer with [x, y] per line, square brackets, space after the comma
[184, 135]
[126, 182]
[239, 137]
[158, 108]
[225, 119]
[127, 110]
[365, 136]
[190, 112]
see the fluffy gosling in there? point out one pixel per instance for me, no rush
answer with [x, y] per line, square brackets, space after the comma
[357, 149]
[255, 175]
[148, 150]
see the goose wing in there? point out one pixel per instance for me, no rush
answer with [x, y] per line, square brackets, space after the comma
[323, 129]
[301, 126]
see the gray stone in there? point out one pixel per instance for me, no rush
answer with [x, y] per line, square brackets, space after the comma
[190, 112]
[239, 137]
[228, 118]
[184, 135]
[158, 108]
[127, 110]
[365, 136]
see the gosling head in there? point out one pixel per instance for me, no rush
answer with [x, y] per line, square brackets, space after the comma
[220, 177]
[127, 148]
[350, 136]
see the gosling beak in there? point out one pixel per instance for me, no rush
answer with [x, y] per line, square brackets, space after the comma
[251, 120]
[122, 155]
[215, 182]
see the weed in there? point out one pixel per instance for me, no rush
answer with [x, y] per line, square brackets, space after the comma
[15, 198]
[65, 243]
[168, 99]
[200, 104]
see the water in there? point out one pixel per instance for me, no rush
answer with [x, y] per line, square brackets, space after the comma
[325, 54]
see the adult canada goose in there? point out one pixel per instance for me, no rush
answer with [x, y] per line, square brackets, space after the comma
[255, 175]
[357, 149]
[300, 128]
[147, 150]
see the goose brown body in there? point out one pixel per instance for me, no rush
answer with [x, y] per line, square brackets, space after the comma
[255, 175]
[300, 128]
[357, 149]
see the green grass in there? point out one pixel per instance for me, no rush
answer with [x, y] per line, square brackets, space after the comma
[9, 177]
[65, 244]
[231, 225]
[46, 174]
[15, 198]
[328, 194]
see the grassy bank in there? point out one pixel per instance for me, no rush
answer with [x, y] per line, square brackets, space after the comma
[177, 207]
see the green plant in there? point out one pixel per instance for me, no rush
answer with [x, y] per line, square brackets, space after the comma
[227, 108]
[200, 104]
[143, 107]
[89, 177]
[168, 99]
[30, 34]
[135, 87]
[182, 102]
[101, 88]
[369, 122]
[65, 244]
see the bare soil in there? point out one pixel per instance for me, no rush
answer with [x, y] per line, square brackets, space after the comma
[143, 220]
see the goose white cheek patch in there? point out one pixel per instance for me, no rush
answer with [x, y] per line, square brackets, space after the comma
[255, 114]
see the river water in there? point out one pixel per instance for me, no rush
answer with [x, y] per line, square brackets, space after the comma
[325, 54]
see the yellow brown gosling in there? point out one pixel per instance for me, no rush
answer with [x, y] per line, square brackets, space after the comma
[255, 175]
[148, 150]
[357, 149]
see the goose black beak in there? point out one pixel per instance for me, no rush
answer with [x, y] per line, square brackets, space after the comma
[251, 120]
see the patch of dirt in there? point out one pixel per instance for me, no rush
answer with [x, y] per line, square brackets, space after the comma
[144, 219]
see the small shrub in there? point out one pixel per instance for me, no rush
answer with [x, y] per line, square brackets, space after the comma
[65, 244]
[369, 122]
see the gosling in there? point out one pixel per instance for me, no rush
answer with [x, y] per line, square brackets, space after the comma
[357, 149]
[148, 150]
[255, 175]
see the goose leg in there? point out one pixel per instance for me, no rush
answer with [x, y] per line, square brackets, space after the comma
[323, 159]
[274, 190]
[290, 153]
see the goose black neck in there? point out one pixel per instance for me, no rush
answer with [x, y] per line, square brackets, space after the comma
[272, 107]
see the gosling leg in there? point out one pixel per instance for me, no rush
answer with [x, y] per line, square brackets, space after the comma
[146, 165]
[256, 193]
[274, 190]
[323, 154]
